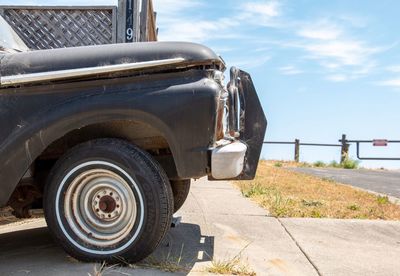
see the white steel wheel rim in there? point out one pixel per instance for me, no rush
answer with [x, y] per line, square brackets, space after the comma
[100, 208]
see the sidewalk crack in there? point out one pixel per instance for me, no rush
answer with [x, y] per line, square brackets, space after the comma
[301, 249]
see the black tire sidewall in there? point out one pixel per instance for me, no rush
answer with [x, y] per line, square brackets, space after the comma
[141, 169]
[137, 191]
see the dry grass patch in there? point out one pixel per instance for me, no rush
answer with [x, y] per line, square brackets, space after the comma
[164, 262]
[290, 194]
[233, 266]
[102, 269]
[170, 264]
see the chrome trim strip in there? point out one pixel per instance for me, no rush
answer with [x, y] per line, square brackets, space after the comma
[83, 72]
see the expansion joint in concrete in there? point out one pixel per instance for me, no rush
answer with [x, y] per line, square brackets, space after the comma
[301, 249]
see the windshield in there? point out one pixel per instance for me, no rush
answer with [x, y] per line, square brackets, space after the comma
[9, 40]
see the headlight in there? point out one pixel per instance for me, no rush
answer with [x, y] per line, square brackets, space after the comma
[219, 77]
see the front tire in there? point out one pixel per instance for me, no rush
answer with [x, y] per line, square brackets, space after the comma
[107, 200]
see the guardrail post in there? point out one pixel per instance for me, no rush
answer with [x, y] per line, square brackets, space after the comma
[297, 150]
[344, 155]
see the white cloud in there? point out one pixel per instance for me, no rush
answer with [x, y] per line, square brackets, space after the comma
[269, 9]
[353, 20]
[391, 83]
[251, 62]
[343, 52]
[176, 24]
[178, 21]
[393, 68]
[290, 70]
[169, 7]
[341, 55]
[334, 44]
[330, 41]
[337, 78]
[329, 65]
[347, 74]
[183, 29]
[259, 13]
[365, 69]
[320, 30]
[319, 34]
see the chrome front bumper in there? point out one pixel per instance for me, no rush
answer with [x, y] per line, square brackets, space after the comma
[228, 161]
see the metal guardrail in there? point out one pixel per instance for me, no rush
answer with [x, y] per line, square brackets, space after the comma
[297, 144]
[303, 144]
[344, 145]
[376, 143]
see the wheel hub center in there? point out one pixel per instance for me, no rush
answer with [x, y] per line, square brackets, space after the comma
[107, 204]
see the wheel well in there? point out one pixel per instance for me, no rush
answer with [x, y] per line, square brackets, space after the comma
[144, 136]
[141, 134]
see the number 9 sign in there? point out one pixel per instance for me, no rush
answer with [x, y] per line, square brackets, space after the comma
[129, 34]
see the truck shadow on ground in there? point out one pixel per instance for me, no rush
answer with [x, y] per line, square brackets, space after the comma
[184, 246]
[33, 252]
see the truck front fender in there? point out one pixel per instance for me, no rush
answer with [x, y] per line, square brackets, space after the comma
[181, 107]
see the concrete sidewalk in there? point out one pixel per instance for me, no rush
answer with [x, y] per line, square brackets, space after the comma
[218, 223]
[348, 247]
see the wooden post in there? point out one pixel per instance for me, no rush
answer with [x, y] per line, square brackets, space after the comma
[297, 150]
[144, 21]
[344, 155]
[128, 21]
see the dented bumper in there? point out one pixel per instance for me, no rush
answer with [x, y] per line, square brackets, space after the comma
[247, 122]
[228, 161]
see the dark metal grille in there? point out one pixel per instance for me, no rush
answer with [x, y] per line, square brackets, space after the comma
[57, 27]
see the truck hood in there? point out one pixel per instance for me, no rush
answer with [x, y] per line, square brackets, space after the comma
[58, 60]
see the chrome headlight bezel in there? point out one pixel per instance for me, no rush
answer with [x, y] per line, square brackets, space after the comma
[219, 77]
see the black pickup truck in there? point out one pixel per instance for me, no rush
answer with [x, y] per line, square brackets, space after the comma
[107, 138]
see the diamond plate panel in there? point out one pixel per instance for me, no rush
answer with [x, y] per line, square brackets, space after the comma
[47, 28]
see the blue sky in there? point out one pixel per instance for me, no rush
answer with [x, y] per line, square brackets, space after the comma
[322, 68]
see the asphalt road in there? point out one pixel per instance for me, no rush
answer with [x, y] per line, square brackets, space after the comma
[385, 182]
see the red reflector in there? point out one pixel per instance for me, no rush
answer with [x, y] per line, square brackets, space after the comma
[380, 143]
